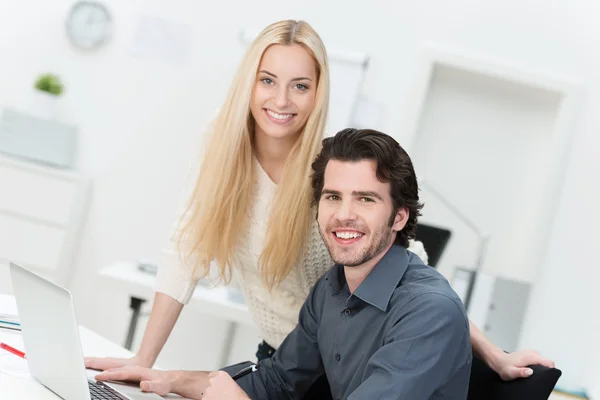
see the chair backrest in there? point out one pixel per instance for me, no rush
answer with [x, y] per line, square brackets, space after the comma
[434, 239]
[487, 385]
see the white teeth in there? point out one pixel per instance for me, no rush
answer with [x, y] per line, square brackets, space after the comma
[279, 116]
[348, 235]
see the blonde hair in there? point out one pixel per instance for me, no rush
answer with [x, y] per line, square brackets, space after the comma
[217, 213]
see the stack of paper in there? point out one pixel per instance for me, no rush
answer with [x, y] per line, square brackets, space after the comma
[9, 322]
[8, 313]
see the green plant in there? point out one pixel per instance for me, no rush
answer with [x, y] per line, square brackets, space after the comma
[49, 83]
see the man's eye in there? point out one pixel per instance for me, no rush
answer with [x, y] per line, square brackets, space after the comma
[332, 197]
[366, 200]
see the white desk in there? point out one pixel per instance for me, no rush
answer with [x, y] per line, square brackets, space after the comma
[217, 302]
[12, 387]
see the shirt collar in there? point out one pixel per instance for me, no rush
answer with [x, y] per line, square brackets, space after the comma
[379, 285]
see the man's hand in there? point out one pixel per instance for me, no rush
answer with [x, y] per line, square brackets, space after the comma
[159, 382]
[221, 386]
[514, 365]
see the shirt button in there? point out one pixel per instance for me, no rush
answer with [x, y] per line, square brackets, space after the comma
[347, 311]
[338, 357]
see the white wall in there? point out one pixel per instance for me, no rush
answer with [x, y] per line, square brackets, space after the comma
[485, 145]
[141, 119]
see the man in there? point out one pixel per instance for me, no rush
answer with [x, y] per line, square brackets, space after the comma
[380, 324]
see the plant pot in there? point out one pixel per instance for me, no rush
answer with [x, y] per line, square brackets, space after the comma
[45, 105]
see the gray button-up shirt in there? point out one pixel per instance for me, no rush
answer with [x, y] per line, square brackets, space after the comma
[402, 334]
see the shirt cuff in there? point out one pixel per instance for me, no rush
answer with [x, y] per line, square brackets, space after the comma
[235, 368]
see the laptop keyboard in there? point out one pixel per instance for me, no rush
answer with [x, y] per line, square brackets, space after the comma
[99, 391]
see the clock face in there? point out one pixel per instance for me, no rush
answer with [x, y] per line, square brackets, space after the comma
[89, 24]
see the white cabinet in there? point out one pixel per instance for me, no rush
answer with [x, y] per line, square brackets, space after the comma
[498, 308]
[41, 214]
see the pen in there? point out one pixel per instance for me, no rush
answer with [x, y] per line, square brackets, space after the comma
[2, 321]
[12, 350]
[245, 371]
[10, 325]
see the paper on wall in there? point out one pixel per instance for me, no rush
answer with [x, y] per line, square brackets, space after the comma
[161, 39]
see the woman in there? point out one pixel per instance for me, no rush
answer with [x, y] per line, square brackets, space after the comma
[250, 208]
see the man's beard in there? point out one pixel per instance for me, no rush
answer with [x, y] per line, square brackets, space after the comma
[380, 240]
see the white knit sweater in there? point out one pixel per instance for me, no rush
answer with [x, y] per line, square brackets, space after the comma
[275, 312]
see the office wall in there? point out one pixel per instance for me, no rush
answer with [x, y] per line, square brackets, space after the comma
[141, 121]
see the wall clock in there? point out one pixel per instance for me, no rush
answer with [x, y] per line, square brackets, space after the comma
[89, 25]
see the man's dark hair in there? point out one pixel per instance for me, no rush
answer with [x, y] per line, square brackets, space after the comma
[393, 166]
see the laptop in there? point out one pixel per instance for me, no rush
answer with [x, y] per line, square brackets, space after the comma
[52, 344]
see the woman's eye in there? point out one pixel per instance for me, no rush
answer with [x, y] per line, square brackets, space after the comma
[301, 87]
[268, 81]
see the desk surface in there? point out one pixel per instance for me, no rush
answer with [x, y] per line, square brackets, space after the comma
[216, 301]
[12, 387]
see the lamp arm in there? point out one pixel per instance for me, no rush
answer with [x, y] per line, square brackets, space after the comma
[454, 210]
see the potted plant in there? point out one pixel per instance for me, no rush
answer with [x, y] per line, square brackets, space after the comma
[48, 89]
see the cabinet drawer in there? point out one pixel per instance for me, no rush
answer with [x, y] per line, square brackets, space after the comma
[29, 243]
[41, 196]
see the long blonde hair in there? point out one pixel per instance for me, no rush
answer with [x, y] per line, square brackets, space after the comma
[217, 211]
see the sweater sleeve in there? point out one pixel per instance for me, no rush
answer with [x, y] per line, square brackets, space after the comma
[417, 247]
[175, 278]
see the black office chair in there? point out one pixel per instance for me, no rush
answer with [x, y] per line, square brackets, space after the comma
[434, 239]
[487, 385]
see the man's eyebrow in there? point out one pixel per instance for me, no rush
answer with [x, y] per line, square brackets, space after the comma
[293, 80]
[355, 193]
[367, 194]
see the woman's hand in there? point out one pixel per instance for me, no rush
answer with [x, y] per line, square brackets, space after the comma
[515, 365]
[104, 363]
